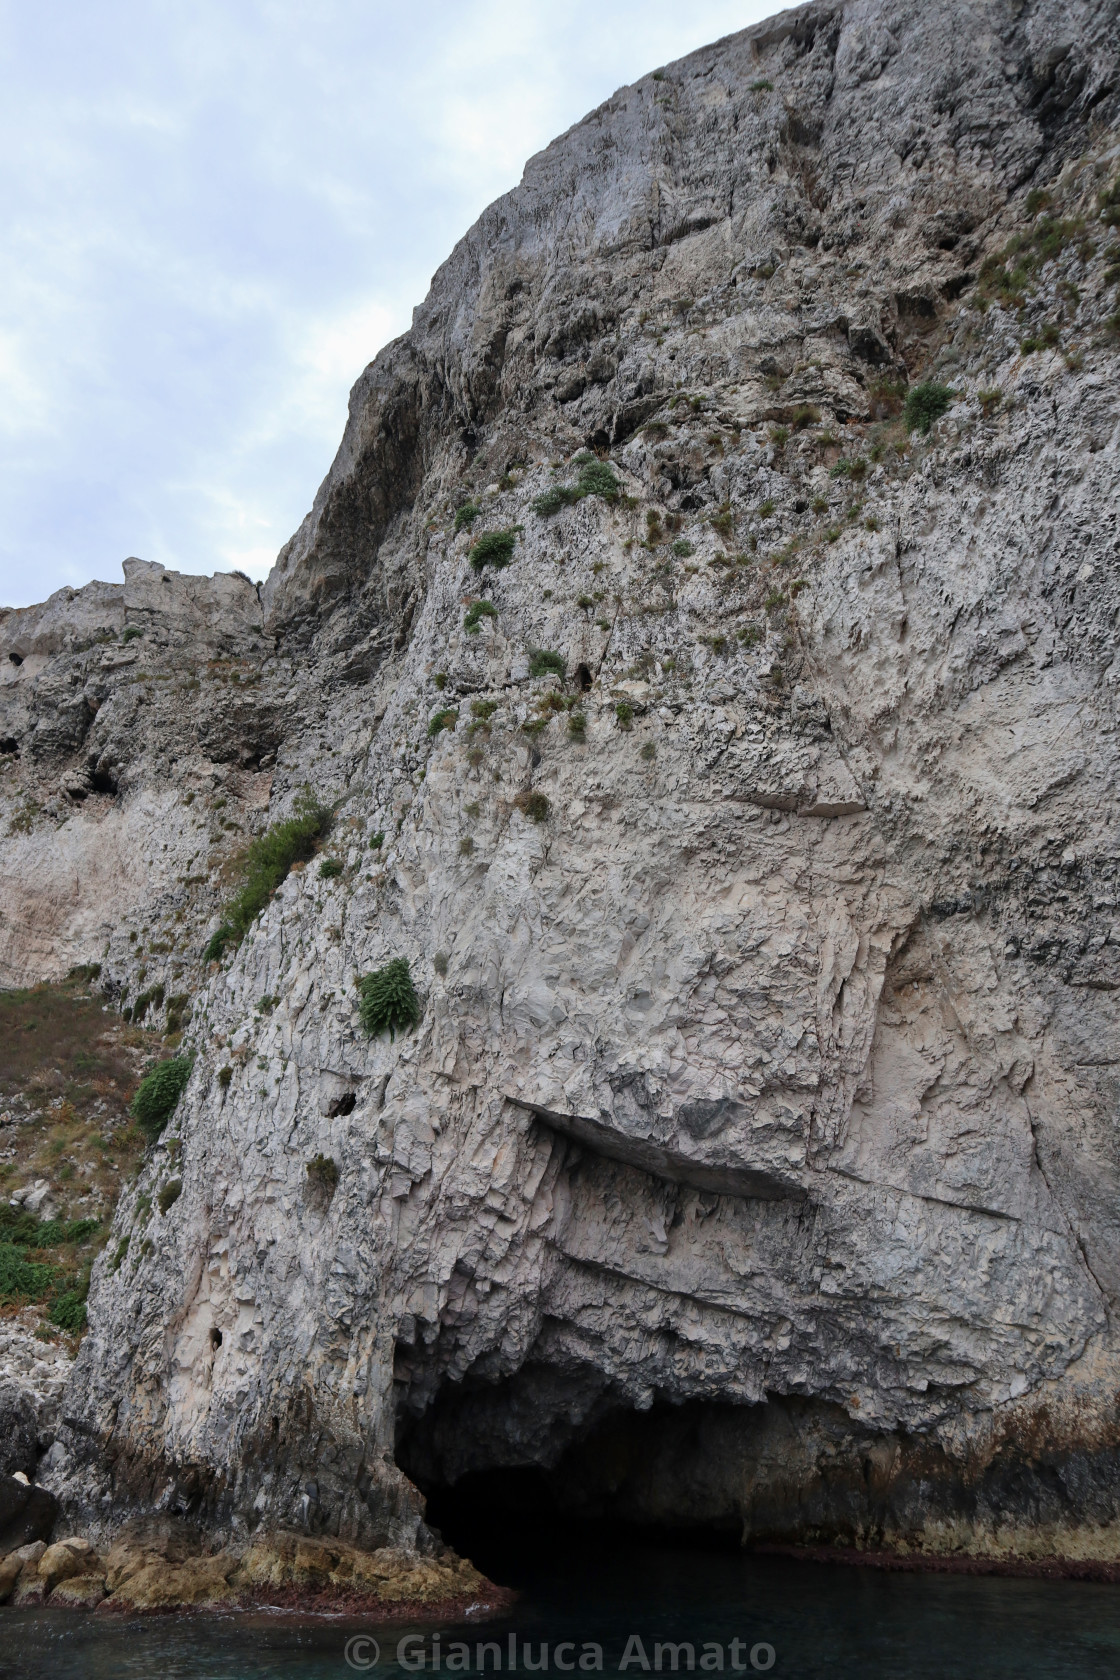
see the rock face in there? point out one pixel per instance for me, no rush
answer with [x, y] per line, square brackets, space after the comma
[762, 1112]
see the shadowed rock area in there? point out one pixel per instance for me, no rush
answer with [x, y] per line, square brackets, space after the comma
[701, 662]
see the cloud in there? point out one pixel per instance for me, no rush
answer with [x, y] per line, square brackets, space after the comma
[216, 215]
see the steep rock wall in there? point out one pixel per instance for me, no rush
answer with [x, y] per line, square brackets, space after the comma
[776, 1062]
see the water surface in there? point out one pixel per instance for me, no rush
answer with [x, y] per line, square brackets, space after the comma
[819, 1621]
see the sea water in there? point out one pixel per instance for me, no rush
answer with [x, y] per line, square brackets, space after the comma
[620, 1608]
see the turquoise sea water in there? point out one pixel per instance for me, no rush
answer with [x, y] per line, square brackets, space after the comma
[816, 1621]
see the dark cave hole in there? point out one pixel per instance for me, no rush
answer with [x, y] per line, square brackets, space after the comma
[16, 658]
[9, 744]
[215, 1338]
[583, 677]
[514, 1521]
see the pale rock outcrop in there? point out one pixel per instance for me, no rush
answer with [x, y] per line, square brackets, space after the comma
[769, 1081]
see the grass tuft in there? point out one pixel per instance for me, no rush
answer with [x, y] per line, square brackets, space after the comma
[267, 863]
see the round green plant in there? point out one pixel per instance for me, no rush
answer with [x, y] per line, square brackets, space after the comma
[926, 403]
[157, 1094]
[388, 999]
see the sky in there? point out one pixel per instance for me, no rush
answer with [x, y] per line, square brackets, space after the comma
[213, 215]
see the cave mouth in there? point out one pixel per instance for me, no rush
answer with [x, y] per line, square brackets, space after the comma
[548, 1465]
[513, 1525]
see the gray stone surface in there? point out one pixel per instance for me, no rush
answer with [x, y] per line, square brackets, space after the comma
[779, 1060]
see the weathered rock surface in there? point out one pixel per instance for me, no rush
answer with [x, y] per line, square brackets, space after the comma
[773, 1073]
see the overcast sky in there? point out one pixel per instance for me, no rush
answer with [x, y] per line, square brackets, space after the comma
[215, 213]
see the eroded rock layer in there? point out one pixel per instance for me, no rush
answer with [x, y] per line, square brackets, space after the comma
[767, 941]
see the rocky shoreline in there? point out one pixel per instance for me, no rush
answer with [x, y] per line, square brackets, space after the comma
[154, 1568]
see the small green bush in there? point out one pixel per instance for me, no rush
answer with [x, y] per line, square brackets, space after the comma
[550, 501]
[926, 403]
[170, 1194]
[596, 478]
[483, 710]
[69, 1309]
[267, 864]
[535, 806]
[323, 1173]
[154, 995]
[577, 726]
[388, 999]
[1046, 338]
[465, 515]
[682, 548]
[493, 548]
[543, 662]
[376, 841]
[767, 508]
[649, 751]
[476, 612]
[225, 1075]
[762, 85]
[624, 712]
[131, 632]
[119, 1253]
[158, 1093]
[329, 869]
[445, 719]
[85, 971]
[22, 1279]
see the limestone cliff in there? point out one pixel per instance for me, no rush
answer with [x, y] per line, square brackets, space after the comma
[766, 1079]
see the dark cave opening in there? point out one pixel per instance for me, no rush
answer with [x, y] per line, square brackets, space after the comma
[546, 1464]
[511, 1523]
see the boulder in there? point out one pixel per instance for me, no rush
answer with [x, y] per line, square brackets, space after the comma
[139, 1578]
[79, 1592]
[27, 1513]
[65, 1559]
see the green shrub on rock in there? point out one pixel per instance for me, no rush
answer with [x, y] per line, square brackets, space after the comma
[493, 548]
[388, 999]
[158, 1093]
[267, 864]
[476, 612]
[596, 478]
[543, 662]
[323, 1174]
[445, 719]
[926, 403]
[69, 1309]
[170, 1194]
